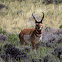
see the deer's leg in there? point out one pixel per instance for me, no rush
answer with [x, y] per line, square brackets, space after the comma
[26, 43]
[32, 45]
[22, 41]
[37, 46]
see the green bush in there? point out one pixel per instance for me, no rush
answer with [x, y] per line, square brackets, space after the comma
[2, 32]
[57, 1]
[60, 26]
[12, 37]
[52, 1]
[11, 0]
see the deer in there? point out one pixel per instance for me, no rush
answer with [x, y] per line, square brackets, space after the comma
[33, 35]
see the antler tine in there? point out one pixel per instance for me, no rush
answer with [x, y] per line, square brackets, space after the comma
[42, 17]
[34, 18]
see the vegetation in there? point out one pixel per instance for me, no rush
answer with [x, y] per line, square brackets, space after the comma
[13, 39]
[42, 52]
[2, 31]
[60, 26]
[19, 14]
[52, 1]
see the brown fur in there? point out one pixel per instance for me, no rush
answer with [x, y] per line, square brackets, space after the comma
[34, 33]
[31, 32]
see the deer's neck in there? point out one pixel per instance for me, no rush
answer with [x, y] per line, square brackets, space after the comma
[37, 33]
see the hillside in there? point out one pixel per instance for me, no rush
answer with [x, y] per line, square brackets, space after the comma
[18, 14]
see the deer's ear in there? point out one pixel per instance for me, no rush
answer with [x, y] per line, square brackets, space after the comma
[42, 18]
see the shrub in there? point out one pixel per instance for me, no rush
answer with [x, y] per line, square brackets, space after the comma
[20, 0]
[3, 37]
[57, 1]
[52, 1]
[60, 26]
[47, 1]
[58, 52]
[52, 36]
[2, 32]
[51, 58]
[12, 52]
[12, 37]
[3, 6]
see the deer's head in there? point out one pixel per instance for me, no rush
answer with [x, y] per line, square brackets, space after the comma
[38, 24]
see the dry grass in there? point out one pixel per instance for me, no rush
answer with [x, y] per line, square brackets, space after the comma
[13, 23]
